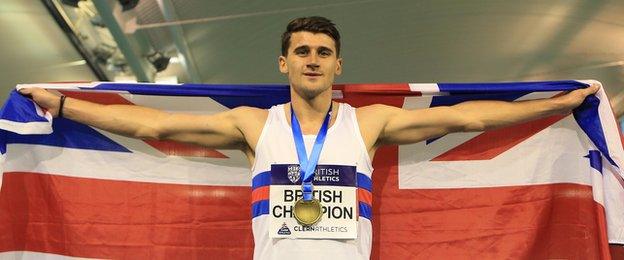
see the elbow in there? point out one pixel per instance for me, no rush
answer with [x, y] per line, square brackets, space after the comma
[157, 129]
[464, 122]
[149, 133]
[473, 126]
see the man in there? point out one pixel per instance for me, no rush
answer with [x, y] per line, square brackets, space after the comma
[310, 59]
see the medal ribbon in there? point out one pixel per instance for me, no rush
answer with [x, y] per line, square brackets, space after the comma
[307, 166]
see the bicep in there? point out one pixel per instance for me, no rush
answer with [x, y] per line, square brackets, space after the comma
[412, 126]
[220, 130]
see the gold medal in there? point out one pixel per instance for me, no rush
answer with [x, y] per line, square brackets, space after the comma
[308, 212]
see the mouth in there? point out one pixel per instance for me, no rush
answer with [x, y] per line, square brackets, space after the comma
[312, 74]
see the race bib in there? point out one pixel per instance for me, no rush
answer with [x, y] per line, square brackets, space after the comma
[335, 186]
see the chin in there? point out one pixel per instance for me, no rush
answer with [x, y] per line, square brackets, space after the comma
[311, 92]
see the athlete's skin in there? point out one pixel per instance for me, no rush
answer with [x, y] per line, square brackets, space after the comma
[310, 65]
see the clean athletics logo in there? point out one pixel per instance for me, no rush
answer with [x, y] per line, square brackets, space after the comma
[284, 230]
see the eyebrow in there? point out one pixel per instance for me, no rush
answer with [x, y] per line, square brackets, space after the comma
[306, 47]
[302, 47]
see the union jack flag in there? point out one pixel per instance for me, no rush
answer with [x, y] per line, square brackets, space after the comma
[550, 188]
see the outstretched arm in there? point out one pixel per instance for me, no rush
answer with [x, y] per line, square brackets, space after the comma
[399, 126]
[222, 130]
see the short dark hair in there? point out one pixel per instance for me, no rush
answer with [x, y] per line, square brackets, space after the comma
[313, 24]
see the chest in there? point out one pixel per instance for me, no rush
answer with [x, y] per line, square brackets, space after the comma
[338, 148]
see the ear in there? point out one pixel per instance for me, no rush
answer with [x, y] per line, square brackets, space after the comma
[338, 66]
[283, 67]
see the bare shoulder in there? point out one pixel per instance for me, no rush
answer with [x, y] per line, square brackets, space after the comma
[245, 111]
[376, 107]
[375, 112]
[249, 116]
[250, 121]
[371, 120]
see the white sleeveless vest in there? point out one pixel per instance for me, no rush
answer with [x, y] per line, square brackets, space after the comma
[343, 146]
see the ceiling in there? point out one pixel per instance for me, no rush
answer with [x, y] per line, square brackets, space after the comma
[34, 49]
[383, 41]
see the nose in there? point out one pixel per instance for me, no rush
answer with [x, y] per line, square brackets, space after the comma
[312, 66]
[312, 62]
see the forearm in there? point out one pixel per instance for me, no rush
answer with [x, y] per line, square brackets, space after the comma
[127, 120]
[485, 114]
[397, 126]
[219, 130]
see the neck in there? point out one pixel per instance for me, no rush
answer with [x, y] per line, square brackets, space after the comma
[311, 110]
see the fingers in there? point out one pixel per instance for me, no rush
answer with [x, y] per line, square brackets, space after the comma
[36, 93]
[30, 91]
[593, 88]
[25, 91]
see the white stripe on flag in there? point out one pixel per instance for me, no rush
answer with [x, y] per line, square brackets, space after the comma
[192, 105]
[613, 196]
[56, 85]
[28, 255]
[426, 88]
[597, 184]
[554, 155]
[28, 128]
[135, 166]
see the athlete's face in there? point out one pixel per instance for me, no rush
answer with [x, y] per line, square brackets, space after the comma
[311, 63]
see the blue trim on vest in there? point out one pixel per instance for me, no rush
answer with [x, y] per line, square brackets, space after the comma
[366, 211]
[261, 179]
[365, 182]
[260, 208]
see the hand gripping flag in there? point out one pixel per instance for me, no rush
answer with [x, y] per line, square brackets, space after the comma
[550, 188]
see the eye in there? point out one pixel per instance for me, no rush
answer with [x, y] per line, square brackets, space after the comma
[325, 53]
[301, 52]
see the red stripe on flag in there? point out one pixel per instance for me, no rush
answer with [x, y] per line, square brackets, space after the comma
[259, 194]
[602, 223]
[401, 89]
[359, 95]
[99, 97]
[120, 219]
[182, 149]
[495, 142]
